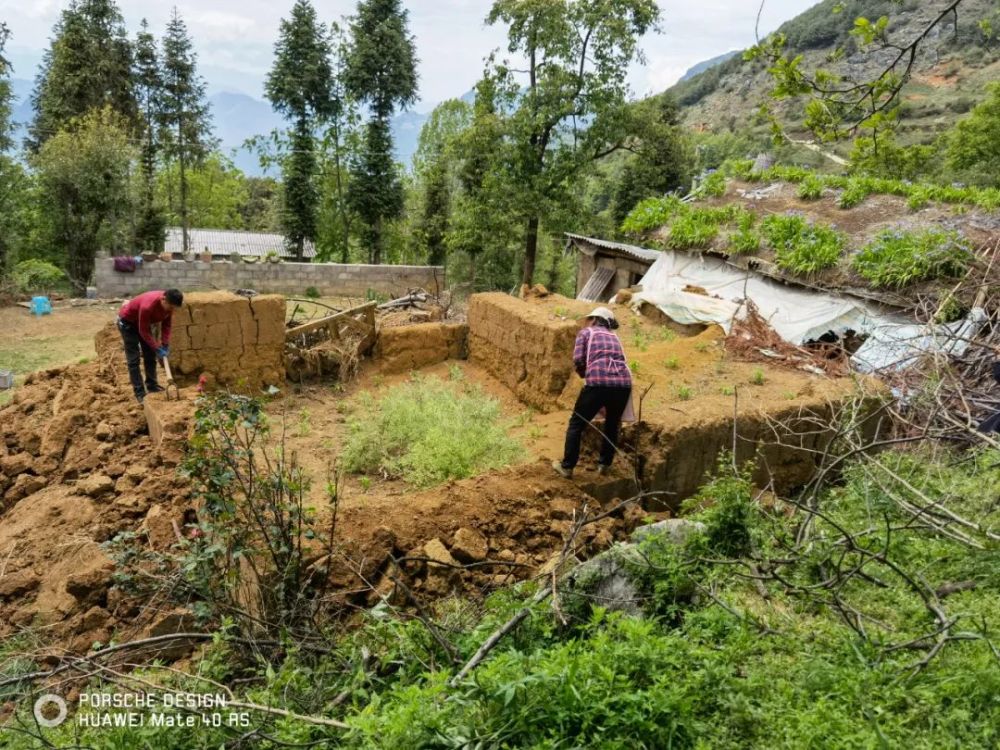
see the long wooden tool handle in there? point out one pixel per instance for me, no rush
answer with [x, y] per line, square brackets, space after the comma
[166, 366]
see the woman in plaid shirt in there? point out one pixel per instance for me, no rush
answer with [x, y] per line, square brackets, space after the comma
[599, 359]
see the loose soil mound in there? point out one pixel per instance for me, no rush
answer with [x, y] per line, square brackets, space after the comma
[76, 468]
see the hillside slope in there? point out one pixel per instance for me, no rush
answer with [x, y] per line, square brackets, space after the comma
[954, 64]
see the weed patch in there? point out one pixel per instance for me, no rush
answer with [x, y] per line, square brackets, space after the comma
[428, 431]
[898, 259]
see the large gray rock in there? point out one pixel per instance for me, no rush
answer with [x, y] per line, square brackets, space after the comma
[605, 581]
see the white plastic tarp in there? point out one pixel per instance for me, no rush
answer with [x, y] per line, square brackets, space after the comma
[893, 346]
[798, 315]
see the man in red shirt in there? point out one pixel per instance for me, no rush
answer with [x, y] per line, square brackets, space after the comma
[134, 321]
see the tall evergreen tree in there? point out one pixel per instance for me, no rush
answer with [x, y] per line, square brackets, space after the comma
[151, 224]
[6, 96]
[381, 73]
[88, 67]
[184, 115]
[299, 86]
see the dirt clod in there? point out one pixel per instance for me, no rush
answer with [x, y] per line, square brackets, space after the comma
[469, 546]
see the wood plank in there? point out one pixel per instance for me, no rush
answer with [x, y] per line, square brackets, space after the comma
[344, 316]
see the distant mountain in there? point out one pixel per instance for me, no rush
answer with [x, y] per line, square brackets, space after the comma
[708, 64]
[950, 74]
[237, 117]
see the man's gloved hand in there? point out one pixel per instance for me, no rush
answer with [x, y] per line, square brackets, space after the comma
[163, 352]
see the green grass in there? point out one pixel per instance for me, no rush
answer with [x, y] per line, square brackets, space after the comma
[717, 661]
[857, 189]
[428, 431]
[897, 259]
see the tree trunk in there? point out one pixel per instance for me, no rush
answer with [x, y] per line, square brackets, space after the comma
[184, 216]
[341, 201]
[530, 250]
[376, 251]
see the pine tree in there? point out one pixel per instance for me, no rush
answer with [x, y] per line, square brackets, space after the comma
[6, 107]
[151, 224]
[184, 116]
[380, 73]
[88, 67]
[300, 87]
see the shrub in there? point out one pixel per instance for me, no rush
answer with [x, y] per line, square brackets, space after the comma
[811, 188]
[35, 275]
[898, 259]
[745, 240]
[801, 247]
[428, 431]
[853, 195]
[692, 230]
[651, 213]
[714, 185]
[312, 292]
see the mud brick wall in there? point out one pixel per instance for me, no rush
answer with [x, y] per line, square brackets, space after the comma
[237, 342]
[331, 279]
[520, 345]
[405, 348]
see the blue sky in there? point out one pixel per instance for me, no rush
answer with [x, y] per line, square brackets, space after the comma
[235, 38]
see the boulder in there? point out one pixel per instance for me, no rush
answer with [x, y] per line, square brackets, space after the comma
[89, 586]
[469, 546]
[17, 464]
[435, 551]
[24, 485]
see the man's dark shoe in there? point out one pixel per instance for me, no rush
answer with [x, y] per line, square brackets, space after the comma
[562, 470]
[139, 397]
[603, 470]
[155, 389]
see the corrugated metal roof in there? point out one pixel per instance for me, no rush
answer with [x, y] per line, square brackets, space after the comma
[632, 251]
[599, 280]
[226, 241]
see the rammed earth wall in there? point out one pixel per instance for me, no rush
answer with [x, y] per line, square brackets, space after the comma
[330, 279]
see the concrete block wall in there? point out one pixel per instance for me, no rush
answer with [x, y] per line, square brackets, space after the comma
[331, 279]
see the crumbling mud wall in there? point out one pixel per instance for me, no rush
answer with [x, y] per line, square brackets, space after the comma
[523, 347]
[405, 348]
[235, 341]
[784, 447]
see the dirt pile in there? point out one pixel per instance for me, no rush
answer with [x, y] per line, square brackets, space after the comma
[76, 468]
[411, 347]
[522, 346]
[234, 340]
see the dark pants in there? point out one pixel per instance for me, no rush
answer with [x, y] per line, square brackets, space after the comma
[134, 346]
[592, 398]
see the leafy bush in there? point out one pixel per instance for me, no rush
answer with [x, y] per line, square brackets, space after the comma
[745, 240]
[897, 258]
[854, 194]
[428, 431]
[801, 247]
[312, 292]
[651, 213]
[714, 185]
[811, 188]
[692, 230]
[35, 275]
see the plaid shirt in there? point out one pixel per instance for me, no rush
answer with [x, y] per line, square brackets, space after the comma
[599, 359]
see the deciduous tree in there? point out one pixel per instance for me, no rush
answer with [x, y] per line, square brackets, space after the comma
[562, 94]
[83, 176]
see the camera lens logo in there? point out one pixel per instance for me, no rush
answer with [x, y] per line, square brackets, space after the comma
[49, 699]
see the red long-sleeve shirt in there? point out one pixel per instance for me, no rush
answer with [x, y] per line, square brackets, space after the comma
[144, 310]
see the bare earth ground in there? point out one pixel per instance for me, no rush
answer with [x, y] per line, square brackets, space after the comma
[30, 342]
